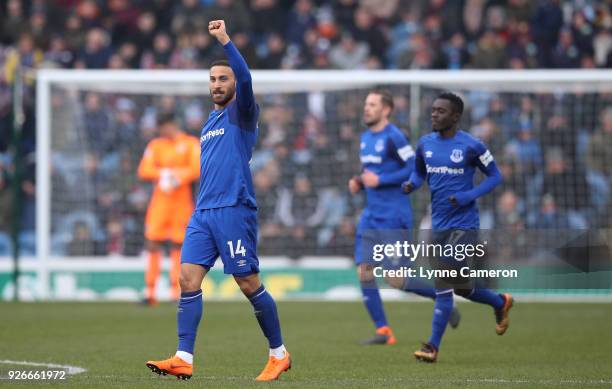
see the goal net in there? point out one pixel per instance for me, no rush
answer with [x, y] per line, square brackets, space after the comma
[550, 132]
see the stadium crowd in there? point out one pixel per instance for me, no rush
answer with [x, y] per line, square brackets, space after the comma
[553, 149]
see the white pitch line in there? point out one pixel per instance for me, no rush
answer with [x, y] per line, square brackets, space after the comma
[69, 369]
[391, 379]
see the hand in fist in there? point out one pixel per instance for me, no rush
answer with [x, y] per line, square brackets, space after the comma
[370, 179]
[355, 184]
[407, 187]
[216, 28]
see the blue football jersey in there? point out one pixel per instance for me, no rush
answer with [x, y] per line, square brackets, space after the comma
[387, 153]
[227, 141]
[449, 166]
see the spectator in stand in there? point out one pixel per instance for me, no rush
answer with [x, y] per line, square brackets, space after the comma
[233, 12]
[546, 23]
[25, 55]
[275, 47]
[600, 145]
[58, 53]
[142, 38]
[348, 54]
[454, 53]
[74, 33]
[15, 22]
[97, 50]
[566, 54]
[562, 188]
[508, 213]
[83, 242]
[96, 124]
[525, 150]
[268, 16]
[301, 18]
[491, 52]
[162, 56]
[189, 15]
[366, 30]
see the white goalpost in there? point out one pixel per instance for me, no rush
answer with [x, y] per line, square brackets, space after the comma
[298, 108]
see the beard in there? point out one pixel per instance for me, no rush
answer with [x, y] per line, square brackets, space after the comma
[223, 99]
[371, 122]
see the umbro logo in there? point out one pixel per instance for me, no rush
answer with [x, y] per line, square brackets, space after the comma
[428, 154]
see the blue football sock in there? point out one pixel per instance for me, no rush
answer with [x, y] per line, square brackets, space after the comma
[487, 296]
[188, 318]
[416, 286]
[443, 307]
[373, 303]
[267, 316]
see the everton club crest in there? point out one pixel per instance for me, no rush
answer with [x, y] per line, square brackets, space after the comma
[456, 156]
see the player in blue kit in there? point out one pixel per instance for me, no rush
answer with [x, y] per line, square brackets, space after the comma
[448, 159]
[225, 219]
[387, 160]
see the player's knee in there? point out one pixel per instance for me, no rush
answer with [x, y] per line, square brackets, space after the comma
[365, 272]
[249, 284]
[463, 292]
[153, 245]
[189, 279]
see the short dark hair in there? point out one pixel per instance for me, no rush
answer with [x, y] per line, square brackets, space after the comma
[385, 96]
[455, 100]
[220, 62]
[165, 118]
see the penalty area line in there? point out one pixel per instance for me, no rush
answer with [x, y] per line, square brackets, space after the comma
[69, 369]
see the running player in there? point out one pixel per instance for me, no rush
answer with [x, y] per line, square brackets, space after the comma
[447, 159]
[387, 160]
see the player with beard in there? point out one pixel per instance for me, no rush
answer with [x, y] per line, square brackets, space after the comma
[448, 159]
[224, 223]
[387, 160]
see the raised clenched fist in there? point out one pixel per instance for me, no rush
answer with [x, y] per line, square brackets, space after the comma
[216, 28]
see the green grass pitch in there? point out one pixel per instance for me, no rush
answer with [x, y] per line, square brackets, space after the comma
[548, 345]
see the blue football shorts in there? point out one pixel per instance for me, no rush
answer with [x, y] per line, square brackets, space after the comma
[229, 233]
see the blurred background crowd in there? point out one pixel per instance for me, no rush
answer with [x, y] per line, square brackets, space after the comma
[554, 149]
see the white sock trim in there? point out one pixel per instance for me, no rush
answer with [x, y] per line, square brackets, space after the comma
[259, 294]
[278, 352]
[192, 297]
[185, 356]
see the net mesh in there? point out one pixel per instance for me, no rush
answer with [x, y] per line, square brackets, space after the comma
[553, 146]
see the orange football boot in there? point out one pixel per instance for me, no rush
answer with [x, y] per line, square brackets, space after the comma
[502, 319]
[174, 366]
[383, 335]
[274, 368]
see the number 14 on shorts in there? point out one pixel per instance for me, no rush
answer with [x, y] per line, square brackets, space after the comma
[236, 249]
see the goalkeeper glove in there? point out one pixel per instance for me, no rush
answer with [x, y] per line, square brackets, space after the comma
[167, 181]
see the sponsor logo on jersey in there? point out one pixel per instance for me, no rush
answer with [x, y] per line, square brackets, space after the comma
[379, 146]
[444, 170]
[212, 133]
[428, 154]
[371, 158]
[456, 155]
